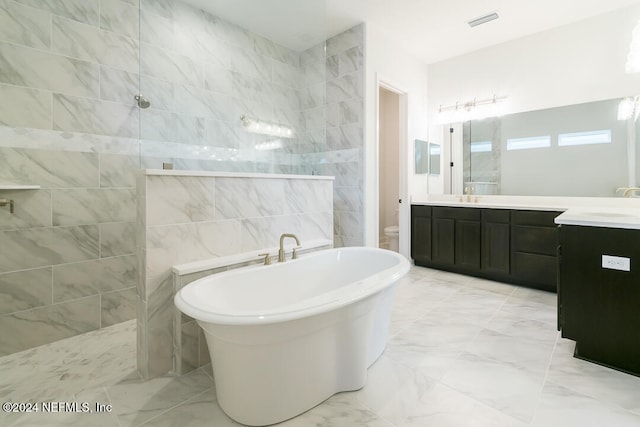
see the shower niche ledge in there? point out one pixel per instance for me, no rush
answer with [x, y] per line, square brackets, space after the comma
[9, 186]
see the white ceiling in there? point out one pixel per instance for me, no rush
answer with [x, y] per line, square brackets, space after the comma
[432, 30]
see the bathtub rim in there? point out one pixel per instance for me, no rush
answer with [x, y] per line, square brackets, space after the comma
[374, 284]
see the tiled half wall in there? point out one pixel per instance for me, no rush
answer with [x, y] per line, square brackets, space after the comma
[189, 216]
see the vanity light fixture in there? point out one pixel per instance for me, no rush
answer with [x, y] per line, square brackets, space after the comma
[483, 19]
[470, 110]
[265, 128]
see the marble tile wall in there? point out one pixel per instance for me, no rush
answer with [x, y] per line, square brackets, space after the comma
[191, 218]
[335, 125]
[68, 123]
[201, 73]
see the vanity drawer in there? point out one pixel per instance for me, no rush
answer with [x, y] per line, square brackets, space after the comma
[498, 216]
[537, 240]
[535, 218]
[467, 214]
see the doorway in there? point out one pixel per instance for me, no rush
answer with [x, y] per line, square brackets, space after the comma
[389, 156]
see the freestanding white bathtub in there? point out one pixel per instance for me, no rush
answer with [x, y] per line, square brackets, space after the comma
[285, 337]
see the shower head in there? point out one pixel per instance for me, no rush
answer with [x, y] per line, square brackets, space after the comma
[142, 101]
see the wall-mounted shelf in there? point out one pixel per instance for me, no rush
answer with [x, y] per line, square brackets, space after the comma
[6, 186]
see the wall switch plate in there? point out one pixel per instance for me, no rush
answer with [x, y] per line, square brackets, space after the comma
[616, 263]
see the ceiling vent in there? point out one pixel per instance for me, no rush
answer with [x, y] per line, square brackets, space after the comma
[483, 19]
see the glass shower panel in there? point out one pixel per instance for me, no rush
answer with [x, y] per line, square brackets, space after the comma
[231, 88]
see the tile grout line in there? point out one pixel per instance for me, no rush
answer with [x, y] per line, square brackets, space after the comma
[544, 381]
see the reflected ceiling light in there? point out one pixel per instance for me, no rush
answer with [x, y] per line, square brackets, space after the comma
[629, 108]
[266, 128]
[633, 57]
[269, 145]
[471, 110]
[483, 19]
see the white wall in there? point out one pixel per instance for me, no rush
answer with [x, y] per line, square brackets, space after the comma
[386, 60]
[576, 63]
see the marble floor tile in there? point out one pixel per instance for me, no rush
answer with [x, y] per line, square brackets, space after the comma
[463, 352]
[507, 387]
[444, 407]
[561, 407]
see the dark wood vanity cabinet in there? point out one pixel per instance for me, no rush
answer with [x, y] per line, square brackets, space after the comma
[534, 254]
[496, 242]
[599, 307]
[515, 246]
[421, 234]
[456, 237]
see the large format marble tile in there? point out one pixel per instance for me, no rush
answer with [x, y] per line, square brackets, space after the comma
[31, 209]
[117, 238]
[71, 366]
[181, 243]
[43, 325]
[158, 125]
[344, 41]
[308, 196]
[91, 206]
[265, 232]
[345, 87]
[79, 10]
[92, 44]
[595, 381]
[25, 107]
[120, 17]
[25, 26]
[25, 290]
[444, 407]
[50, 169]
[160, 93]
[179, 199]
[170, 67]
[509, 388]
[76, 280]
[118, 85]
[38, 247]
[118, 170]
[91, 116]
[63, 143]
[136, 402]
[118, 306]
[248, 198]
[560, 406]
[23, 66]
[342, 409]
[193, 101]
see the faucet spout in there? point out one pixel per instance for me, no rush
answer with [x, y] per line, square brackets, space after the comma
[627, 191]
[281, 255]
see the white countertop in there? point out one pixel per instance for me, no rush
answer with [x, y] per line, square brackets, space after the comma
[609, 212]
[628, 218]
[549, 203]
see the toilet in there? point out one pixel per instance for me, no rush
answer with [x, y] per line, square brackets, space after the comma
[392, 232]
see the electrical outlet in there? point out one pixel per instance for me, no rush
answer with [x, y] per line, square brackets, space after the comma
[616, 263]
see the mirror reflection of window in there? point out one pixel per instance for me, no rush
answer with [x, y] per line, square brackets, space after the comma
[422, 156]
[434, 159]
